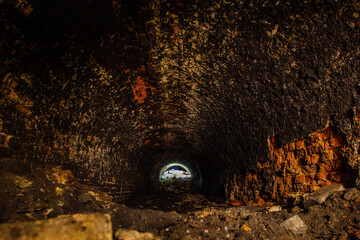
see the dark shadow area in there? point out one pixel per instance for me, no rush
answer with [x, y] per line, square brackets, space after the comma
[180, 201]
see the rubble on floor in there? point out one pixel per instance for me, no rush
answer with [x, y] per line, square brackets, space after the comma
[41, 198]
[94, 226]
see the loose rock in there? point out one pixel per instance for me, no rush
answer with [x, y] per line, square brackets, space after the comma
[125, 234]
[295, 224]
[320, 196]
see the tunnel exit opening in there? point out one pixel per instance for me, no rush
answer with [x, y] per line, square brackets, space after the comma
[176, 174]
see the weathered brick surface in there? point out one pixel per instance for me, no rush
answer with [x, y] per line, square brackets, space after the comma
[111, 88]
[301, 166]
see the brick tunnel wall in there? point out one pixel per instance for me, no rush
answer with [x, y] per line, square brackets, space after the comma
[109, 89]
[300, 167]
[73, 89]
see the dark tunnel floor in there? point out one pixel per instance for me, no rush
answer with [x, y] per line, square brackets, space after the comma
[180, 201]
[49, 192]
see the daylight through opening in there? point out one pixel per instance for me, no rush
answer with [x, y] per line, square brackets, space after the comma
[176, 175]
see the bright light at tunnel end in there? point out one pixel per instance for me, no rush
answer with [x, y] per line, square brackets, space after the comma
[168, 172]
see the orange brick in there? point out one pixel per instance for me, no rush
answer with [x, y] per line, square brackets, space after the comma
[259, 165]
[322, 176]
[289, 180]
[314, 149]
[293, 162]
[315, 187]
[272, 153]
[315, 158]
[337, 141]
[328, 155]
[327, 145]
[272, 139]
[294, 170]
[321, 144]
[281, 159]
[326, 133]
[315, 137]
[300, 144]
[290, 156]
[272, 142]
[310, 169]
[325, 183]
[300, 179]
[266, 165]
[309, 179]
[301, 153]
[292, 146]
[280, 151]
[325, 167]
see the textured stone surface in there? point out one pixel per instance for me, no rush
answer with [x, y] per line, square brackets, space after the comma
[126, 234]
[295, 224]
[65, 227]
[320, 196]
[304, 165]
[109, 89]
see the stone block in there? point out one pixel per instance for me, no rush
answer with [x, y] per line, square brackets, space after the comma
[65, 227]
[295, 224]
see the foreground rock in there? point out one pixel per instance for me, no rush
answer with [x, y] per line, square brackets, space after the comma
[66, 227]
[126, 234]
[320, 196]
[295, 224]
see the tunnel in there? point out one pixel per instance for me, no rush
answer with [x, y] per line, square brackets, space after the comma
[258, 102]
[177, 173]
